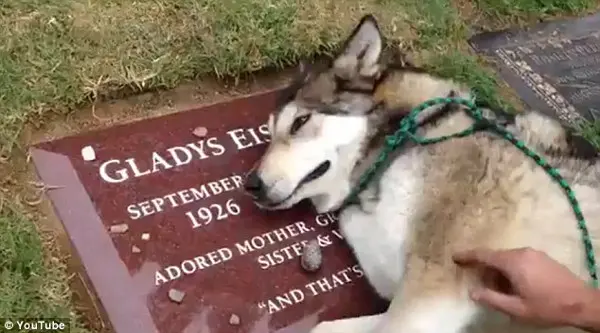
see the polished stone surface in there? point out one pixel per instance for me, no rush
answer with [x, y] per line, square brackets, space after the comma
[190, 229]
[554, 66]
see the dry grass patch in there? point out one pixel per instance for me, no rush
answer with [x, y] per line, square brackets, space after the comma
[57, 55]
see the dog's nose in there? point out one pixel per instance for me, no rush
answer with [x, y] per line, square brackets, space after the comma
[254, 185]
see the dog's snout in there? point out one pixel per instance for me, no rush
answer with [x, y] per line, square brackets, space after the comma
[254, 185]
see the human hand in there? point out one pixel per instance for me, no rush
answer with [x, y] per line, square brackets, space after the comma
[528, 285]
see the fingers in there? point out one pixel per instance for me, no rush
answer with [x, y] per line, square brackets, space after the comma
[479, 256]
[500, 260]
[512, 305]
[466, 258]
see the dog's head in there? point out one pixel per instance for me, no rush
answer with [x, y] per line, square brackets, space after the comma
[319, 132]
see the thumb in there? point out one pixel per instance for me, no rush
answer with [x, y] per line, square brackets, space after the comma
[509, 304]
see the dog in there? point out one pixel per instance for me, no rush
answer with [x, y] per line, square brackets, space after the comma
[431, 200]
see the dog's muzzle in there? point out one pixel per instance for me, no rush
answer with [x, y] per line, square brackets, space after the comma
[258, 190]
[254, 186]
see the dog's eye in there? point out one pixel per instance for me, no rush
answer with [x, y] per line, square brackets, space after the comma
[298, 122]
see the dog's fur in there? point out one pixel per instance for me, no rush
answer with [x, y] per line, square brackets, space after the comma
[432, 200]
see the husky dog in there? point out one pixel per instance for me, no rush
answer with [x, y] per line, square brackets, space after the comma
[432, 200]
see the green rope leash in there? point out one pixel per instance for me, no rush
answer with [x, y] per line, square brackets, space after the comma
[408, 128]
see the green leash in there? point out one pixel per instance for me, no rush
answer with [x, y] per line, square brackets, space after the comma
[408, 128]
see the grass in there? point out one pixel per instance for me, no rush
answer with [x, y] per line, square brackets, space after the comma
[538, 8]
[591, 131]
[32, 282]
[468, 68]
[57, 55]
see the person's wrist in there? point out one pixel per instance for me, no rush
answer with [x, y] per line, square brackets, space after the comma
[589, 317]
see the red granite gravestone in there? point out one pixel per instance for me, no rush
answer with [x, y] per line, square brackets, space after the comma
[191, 232]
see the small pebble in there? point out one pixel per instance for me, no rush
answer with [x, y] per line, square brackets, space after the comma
[145, 236]
[88, 153]
[312, 258]
[200, 131]
[176, 295]
[135, 249]
[234, 319]
[119, 228]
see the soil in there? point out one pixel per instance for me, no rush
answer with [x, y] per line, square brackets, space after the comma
[18, 173]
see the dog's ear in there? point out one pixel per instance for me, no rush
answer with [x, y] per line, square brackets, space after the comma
[305, 71]
[302, 71]
[361, 51]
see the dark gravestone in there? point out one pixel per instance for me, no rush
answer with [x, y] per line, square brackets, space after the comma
[553, 66]
[191, 231]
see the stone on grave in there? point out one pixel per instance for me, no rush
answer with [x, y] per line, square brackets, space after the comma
[553, 66]
[88, 153]
[119, 228]
[311, 258]
[176, 295]
[208, 239]
[200, 131]
[234, 320]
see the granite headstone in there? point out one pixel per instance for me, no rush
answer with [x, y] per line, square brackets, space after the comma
[155, 212]
[553, 66]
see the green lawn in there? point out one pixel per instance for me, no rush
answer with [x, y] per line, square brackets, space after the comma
[57, 55]
[33, 283]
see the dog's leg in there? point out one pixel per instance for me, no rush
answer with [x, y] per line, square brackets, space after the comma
[379, 253]
[364, 324]
[378, 249]
[432, 298]
[429, 313]
[435, 314]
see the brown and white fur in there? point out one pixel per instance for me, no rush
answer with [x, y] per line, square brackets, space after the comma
[432, 200]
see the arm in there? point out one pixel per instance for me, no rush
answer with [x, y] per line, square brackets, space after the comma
[589, 320]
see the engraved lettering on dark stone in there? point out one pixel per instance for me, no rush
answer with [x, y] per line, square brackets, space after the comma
[554, 66]
[209, 241]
